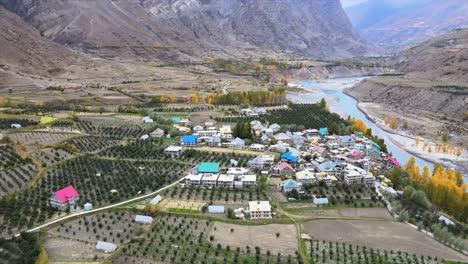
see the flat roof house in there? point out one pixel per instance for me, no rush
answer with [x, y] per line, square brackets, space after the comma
[174, 151]
[260, 210]
[64, 198]
[193, 179]
[216, 209]
[210, 180]
[143, 219]
[249, 181]
[256, 163]
[305, 177]
[226, 181]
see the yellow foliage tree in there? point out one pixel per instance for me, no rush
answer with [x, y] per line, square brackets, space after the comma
[359, 125]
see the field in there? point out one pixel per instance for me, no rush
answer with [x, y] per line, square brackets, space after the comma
[327, 252]
[182, 206]
[263, 236]
[42, 138]
[51, 156]
[15, 179]
[397, 237]
[63, 250]
[216, 195]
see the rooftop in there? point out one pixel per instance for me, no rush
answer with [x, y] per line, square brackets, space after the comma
[208, 167]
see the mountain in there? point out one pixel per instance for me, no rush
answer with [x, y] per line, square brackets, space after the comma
[185, 29]
[396, 25]
[444, 58]
[23, 49]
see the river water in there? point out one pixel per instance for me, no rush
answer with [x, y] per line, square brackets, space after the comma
[345, 106]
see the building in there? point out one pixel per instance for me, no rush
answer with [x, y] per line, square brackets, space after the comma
[144, 137]
[64, 198]
[320, 201]
[368, 180]
[305, 177]
[156, 200]
[323, 131]
[15, 126]
[208, 168]
[106, 247]
[283, 138]
[347, 141]
[289, 157]
[197, 128]
[174, 151]
[331, 168]
[210, 180]
[190, 140]
[284, 170]
[226, 181]
[275, 128]
[257, 147]
[249, 181]
[158, 133]
[216, 209]
[237, 172]
[256, 163]
[88, 207]
[289, 185]
[237, 143]
[147, 119]
[143, 219]
[194, 179]
[260, 210]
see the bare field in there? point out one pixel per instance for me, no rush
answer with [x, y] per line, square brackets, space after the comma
[261, 236]
[384, 235]
[380, 213]
[124, 259]
[66, 250]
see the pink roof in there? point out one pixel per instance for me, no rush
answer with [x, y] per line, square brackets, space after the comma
[284, 165]
[66, 193]
[356, 153]
[393, 160]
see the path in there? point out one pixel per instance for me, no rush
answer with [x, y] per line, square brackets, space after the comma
[101, 208]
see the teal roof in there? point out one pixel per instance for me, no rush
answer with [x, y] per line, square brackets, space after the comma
[323, 131]
[289, 184]
[175, 119]
[208, 167]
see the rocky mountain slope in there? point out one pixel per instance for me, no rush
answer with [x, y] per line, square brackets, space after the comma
[23, 49]
[395, 27]
[186, 29]
[433, 83]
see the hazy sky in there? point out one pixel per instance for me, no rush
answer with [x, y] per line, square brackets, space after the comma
[347, 3]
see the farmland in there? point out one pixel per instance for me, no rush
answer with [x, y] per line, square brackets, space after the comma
[42, 138]
[398, 237]
[216, 195]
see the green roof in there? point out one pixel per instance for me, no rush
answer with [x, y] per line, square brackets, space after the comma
[175, 119]
[375, 144]
[208, 167]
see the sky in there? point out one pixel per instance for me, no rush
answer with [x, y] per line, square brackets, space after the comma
[348, 3]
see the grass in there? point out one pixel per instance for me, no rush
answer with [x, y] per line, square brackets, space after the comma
[43, 257]
[183, 211]
[47, 120]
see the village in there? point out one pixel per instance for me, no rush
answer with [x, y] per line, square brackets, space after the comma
[241, 181]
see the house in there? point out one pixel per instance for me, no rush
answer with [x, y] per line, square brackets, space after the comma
[331, 168]
[283, 138]
[329, 180]
[368, 180]
[237, 143]
[174, 151]
[208, 168]
[249, 181]
[392, 162]
[284, 170]
[156, 200]
[269, 159]
[88, 207]
[320, 201]
[275, 128]
[15, 126]
[257, 147]
[144, 137]
[197, 128]
[280, 147]
[265, 138]
[249, 112]
[289, 157]
[260, 110]
[106, 246]
[216, 209]
[64, 198]
[226, 132]
[147, 119]
[194, 179]
[209, 123]
[210, 180]
[305, 177]
[356, 154]
[158, 133]
[289, 185]
[190, 140]
[347, 141]
[143, 219]
[226, 181]
[446, 220]
[260, 210]
[256, 163]
[323, 131]
[237, 172]
[258, 129]
[310, 133]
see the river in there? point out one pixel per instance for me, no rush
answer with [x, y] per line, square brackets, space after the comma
[345, 105]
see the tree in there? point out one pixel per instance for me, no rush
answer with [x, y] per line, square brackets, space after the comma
[405, 124]
[445, 137]
[323, 103]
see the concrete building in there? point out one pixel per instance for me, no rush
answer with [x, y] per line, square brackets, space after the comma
[260, 210]
[64, 198]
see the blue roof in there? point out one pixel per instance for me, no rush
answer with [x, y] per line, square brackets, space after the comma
[347, 139]
[189, 139]
[289, 184]
[289, 157]
[328, 165]
[208, 167]
[375, 144]
[323, 131]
